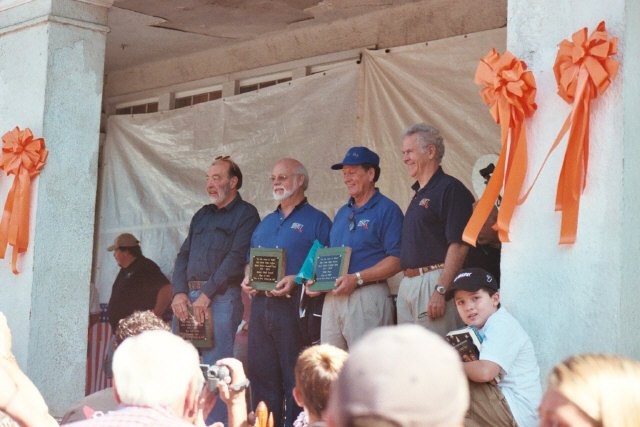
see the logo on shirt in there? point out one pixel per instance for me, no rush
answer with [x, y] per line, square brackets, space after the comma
[297, 226]
[424, 203]
[363, 223]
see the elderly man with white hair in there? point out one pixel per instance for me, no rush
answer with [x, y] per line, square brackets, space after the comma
[418, 383]
[158, 382]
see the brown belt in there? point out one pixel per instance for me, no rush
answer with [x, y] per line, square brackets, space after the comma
[413, 272]
[375, 282]
[196, 285]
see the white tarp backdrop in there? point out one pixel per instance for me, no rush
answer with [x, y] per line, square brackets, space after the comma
[154, 165]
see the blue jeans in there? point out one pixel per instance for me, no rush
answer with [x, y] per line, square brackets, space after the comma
[274, 343]
[226, 312]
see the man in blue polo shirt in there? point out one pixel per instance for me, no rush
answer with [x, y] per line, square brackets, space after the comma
[371, 225]
[274, 339]
[432, 248]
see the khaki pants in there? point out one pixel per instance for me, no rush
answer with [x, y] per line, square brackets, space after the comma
[413, 297]
[488, 407]
[345, 319]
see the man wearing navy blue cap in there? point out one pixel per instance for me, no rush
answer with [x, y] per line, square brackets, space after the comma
[432, 248]
[371, 225]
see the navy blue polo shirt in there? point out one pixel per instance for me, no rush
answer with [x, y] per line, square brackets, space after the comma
[372, 231]
[295, 233]
[435, 218]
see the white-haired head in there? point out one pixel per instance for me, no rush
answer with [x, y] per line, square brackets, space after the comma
[156, 368]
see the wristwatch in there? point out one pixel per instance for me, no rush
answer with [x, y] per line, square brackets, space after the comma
[441, 289]
[359, 277]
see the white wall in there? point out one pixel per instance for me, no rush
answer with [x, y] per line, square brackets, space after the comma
[51, 81]
[576, 298]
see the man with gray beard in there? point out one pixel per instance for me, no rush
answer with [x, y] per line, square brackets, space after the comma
[274, 338]
[210, 264]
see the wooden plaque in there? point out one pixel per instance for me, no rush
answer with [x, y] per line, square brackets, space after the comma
[266, 268]
[199, 334]
[330, 263]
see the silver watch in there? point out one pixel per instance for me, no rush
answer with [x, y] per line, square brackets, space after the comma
[359, 277]
[441, 289]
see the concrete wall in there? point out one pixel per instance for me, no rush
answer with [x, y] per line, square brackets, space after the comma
[397, 26]
[580, 297]
[51, 81]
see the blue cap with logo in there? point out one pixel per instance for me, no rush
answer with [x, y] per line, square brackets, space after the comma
[358, 156]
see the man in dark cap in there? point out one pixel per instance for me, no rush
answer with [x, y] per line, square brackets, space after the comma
[371, 225]
[139, 286]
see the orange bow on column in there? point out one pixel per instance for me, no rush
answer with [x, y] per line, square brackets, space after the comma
[583, 71]
[23, 156]
[509, 90]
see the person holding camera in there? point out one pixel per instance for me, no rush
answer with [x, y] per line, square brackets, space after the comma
[158, 383]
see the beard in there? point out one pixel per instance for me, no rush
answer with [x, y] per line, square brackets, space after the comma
[223, 192]
[285, 193]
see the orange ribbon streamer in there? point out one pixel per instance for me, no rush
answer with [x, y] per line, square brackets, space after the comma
[509, 90]
[583, 70]
[23, 156]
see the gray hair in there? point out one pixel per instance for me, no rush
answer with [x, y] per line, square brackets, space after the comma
[155, 368]
[427, 135]
[302, 171]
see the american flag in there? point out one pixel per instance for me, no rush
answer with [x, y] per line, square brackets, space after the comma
[98, 344]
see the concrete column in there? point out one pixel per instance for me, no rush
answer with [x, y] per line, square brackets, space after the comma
[581, 297]
[51, 79]
[230, 88]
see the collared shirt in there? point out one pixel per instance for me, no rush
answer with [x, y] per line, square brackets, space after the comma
[138, 416]
[372, 231]
[215, 248]
[435, 218]
[508, 345]
[135, 288]
[295, 233]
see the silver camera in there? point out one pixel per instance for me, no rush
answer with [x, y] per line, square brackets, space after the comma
[213, 374]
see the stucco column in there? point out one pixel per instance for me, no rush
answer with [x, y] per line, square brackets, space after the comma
[51, 76]
[580, 297]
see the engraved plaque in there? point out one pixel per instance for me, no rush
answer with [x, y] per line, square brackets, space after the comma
[266, 268]
[200, 334]
[330, 263]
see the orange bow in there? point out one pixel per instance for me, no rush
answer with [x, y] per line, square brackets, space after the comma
[583, 70]
[23, 156]
[509, 90]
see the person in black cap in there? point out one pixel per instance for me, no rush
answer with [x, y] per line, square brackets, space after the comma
[370, 224]
[140, 284]
[506, 353]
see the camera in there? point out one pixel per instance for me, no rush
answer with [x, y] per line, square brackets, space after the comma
[213, 374]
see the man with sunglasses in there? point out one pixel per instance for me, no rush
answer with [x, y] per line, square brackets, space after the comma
[210, 264]
[371, 225]
[274, 337]
[432, 248]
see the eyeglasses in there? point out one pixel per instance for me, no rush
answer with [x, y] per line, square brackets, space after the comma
[352, 220]
[275, 178]
[222, 158]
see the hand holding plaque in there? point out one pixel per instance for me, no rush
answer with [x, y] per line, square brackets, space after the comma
[199, 334]
[330, 263]
[266, 268]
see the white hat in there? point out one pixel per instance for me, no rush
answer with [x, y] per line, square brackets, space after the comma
[405, 375]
